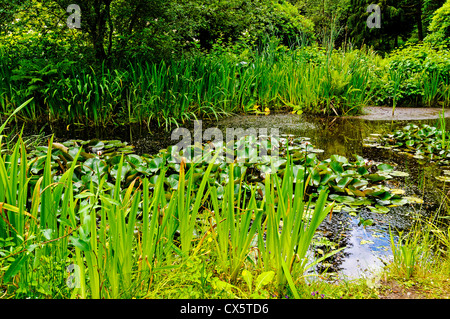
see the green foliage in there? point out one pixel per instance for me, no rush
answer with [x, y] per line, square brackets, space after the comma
[329, 18]
[421, 142]
[397, 20]
[123, 229]
[172, 92]
[440, 26]
[414, 75]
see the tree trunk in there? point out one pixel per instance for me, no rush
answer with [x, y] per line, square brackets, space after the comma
[98, 27]
[419, 20]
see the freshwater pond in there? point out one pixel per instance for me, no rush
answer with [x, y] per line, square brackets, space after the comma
[366, 248]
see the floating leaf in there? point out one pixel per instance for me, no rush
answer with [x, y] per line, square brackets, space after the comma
[397, 191]
[361, 202]
[342, 199]
[399, 174]
[378, 209]
[443, 178]
[413, 200]
[339, 158]
[375, 177]
[385, 167]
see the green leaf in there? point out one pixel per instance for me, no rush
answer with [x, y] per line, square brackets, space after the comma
[84, 195]
[79, 243]
[398, 174]
[14, 268]
[342, 199]
[47, 233]
[339, 158]
[263, 279]
[413, 200]
[385, 167]
[327, 177]
[443, 178]
[343, 182]
[247, 276]
[375, 177]
[378, 209]
[337, 167]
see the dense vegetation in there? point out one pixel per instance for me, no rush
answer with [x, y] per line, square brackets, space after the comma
[160, 225]
[169, 61]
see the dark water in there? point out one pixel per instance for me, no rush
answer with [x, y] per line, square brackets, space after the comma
[367, 248]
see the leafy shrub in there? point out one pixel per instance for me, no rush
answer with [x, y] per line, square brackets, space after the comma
[440, 26]
[407, 73]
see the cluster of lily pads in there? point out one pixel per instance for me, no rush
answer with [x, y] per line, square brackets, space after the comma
[422, 142]
[353, 184]
[425, 143]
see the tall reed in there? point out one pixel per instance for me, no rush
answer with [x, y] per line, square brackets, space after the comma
[120, 239]
[290, 224]
[172, 92]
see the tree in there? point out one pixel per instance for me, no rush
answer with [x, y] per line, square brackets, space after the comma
[429, 8]
[398, 20]
[329, 17]
[229, 20]
[440, 26]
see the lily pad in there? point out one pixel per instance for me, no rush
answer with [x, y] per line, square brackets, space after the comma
[378, 209]
[443, 178]
[399, 174]
[413, 200]
[397, 191]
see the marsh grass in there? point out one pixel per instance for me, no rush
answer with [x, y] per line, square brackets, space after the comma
[172, 92]
[119, 241]
[290, 223]
[431, 88]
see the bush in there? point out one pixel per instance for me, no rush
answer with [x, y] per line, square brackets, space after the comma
[407, 73]
[440, 26]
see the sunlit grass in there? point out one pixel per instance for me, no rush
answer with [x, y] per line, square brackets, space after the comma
[172, 92]
[116, 240]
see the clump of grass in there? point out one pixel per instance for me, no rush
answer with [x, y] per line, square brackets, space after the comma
[115, 240]
[172, 92]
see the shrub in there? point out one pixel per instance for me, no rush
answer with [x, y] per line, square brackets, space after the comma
[408, 71]
[440, 26]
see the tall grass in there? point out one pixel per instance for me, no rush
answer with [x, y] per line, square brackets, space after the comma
[172, 92]
[118, 239]
[431, 88]
[290, 224]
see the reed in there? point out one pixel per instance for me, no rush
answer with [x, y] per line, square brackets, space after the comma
[290, 224]
[172, 92]
[120, 239]
[395, 80]
[236, 223]
[431, 86]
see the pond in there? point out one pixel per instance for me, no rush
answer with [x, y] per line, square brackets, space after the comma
[367, 248]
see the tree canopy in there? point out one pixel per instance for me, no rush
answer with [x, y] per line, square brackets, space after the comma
[116, 30]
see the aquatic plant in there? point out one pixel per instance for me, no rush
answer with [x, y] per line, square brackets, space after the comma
[109, 212]
[172, 92]
[421, 142]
